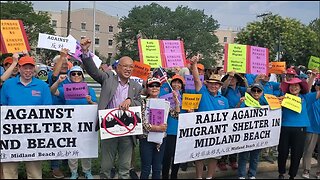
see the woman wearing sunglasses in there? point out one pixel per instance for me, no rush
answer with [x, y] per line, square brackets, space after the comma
[293, 126]
[256, 91]
[151, 153]
[76, 75]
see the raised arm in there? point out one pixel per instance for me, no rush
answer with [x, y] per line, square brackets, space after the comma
[60, 61]
[88, 63]
[8, 72]
[54, 88]
[195, 73]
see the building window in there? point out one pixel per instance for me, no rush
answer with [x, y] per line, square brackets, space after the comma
[54, 23]
[96, 41]
[110, 42]
[82, 37]
[83, 26]
[109, 55]
[110, 28]
[97, 27]
[225, 39]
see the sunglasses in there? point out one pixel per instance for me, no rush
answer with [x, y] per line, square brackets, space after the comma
[256, 90]
[153, 85]
[76, 73]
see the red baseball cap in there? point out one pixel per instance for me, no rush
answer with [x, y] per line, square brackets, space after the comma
[26, 60]
[291, 71]
[8, 60]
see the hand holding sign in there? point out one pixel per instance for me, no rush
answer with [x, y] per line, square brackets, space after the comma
[85, 44]
[250, 101]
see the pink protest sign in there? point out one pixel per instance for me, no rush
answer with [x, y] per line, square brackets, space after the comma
[78, 53]
[75, 90]
[156, 116]
[190, 81]
[169, 97]
[259, 58]
[173, 53]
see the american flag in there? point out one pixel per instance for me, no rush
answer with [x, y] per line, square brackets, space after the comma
[161, 74]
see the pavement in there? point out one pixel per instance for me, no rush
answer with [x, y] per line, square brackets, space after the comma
[263, 166]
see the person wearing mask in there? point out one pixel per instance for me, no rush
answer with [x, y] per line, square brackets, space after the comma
[76, 75]
[256, 91]
[293, 127]
[211, 100]
[35, 92]
[117, 91]
[177, 83]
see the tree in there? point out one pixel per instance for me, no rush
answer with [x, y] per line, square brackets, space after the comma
[156, 22]
[315, 27]
[295, 40]
[34, 22]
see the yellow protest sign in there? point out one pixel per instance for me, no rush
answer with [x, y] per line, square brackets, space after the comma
[150, 50]
[273, 101]
[236, 58]
[292, 102]
[314, 63]
[13, 36]
[250, 101]
[190, 101]
[277, 67]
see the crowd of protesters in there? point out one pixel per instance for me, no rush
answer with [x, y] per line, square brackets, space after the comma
[219, 90]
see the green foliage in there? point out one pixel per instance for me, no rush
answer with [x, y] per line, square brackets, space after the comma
[34, 23]
[156, 22]
[293, 39]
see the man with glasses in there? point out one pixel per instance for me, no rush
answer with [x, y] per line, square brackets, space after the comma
[117, 91]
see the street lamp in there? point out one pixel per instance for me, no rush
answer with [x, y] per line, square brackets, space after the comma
[68, 23]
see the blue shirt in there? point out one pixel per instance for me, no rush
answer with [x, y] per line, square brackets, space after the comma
[209, 102]
[250, 78]
[234, 95]
[271, 88]
[314, 116]
[293, 119]
[80, 101]
[56, 100]
[14, 93]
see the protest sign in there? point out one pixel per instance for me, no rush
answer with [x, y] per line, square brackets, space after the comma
[156, 116]
[32, 133]
[149, 52]
[137, 79]
[118, 123]
[250, 101]
[161, 53]
[277, 67]
[47, 41]
[235, 58]
[292, 102]
[314, 63]
[13, 37]
[173, 53]
[273, 101]
[259, 59]
[211, 134]
[190, 101]
[190, 82]
[141, 70]
[75, 90]
[169, 97]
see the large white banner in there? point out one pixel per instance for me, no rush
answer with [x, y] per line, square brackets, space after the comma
[53, 42]
[203, 135]
[30, 133]
[117, 123]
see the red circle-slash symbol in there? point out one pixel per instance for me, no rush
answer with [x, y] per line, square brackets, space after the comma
[119, 122]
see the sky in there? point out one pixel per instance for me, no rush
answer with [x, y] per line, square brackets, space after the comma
[229, 14]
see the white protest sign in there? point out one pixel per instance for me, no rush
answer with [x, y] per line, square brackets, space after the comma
[217, 133]
[97, 61]
[117, 123]
[137, 79]
[31, 133]
[47, 41]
